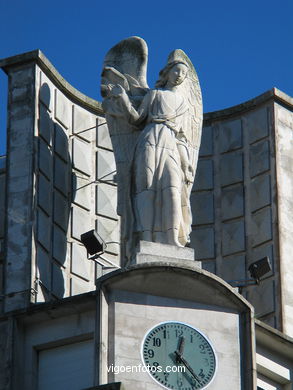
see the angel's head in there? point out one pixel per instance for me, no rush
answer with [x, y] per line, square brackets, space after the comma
[173, 74]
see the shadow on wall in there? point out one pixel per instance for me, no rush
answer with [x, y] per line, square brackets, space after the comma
[55, 188]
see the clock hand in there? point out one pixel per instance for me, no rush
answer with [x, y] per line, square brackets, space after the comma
[186, 364]
[180, 349]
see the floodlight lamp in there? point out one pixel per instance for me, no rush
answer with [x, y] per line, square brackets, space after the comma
[93, 242]
[260, 268]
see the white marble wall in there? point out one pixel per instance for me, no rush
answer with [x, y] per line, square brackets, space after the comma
[234, 202]
[61, 183]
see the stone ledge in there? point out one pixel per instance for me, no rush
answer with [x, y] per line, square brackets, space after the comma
[148, 252]
[108, 386]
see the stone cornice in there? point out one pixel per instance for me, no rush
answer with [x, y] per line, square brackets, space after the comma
[36, 56]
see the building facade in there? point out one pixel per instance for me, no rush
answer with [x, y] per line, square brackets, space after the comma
[65, 319]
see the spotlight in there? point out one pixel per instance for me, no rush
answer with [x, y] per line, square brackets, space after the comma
[260, 268]
[93, 242]
[257, 269]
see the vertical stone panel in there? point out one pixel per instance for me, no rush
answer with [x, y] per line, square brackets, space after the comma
[231, 166]
[284, 169]
[257, 124]
[20, 188]
[206, 146]
[230, 135]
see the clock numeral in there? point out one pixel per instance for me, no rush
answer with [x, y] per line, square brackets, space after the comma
[166, 374]
[179, 382]
[178, 332]
[156, 364]
[191, 338]
[202, 349]
[201, 374]
[156, 342]
[151, 353]
[166, 334]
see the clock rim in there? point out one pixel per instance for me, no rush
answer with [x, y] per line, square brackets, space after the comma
[190, 326]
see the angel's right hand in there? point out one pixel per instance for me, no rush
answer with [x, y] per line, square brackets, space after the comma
[117, 90]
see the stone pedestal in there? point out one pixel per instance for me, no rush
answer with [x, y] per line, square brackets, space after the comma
[148, 252]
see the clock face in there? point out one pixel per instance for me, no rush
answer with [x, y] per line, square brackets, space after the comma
[178, 356]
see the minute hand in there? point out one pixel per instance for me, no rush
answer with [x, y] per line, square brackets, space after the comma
[186, 364]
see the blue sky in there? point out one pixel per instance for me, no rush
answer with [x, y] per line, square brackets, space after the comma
[240, 49]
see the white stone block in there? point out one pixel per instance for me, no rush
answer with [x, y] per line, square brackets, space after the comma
[63, 109]
[83, 120]
[233, 237]
[82, 156]
[231, 166]
[230, 135]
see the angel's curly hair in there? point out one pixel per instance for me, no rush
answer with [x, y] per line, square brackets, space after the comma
[163, 75]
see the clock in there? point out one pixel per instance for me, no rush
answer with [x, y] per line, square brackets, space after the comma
[178, 356]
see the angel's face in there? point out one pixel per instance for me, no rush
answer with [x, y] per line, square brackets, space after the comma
[177, 74]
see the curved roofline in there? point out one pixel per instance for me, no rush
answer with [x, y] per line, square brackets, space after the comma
[272, 94]
[72, 93]
[222, 285]
[96, 107]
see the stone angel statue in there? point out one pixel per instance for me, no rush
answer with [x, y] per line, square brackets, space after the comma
[156, 136]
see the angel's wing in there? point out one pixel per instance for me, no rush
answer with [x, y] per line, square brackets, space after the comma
[124, 64]
[192, 93]
[129, 57]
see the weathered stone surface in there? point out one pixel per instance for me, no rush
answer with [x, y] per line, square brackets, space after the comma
[46, 92]
[262, 226]
[80, 264]
[103, 136]
[202, 206]
[232, 202]
[109, 231]
[63, 109]
[209, 266]
[257, 124]
[204, 176]
[106, 166]
[231, 168]
[45, 159]
[81, 191]
[233, 267]
[61, 175]
[206, 146]
[60, 245]
[82, 156]
[61, 143]
[203, 242]
[59, 282]
[233, 237]
[44, 194]
[259, 158]
[106, 200]
[44, 267]
[61, 210]
[230, 135]
[83, 120]
[79, 286]
[81, 222]
[6, 356]
[260, 192]
[46, 125]
[44, 230]
[2, 204]
[147, 251]
[256, 296]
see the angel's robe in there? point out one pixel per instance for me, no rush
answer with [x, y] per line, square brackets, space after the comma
[160, 169]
